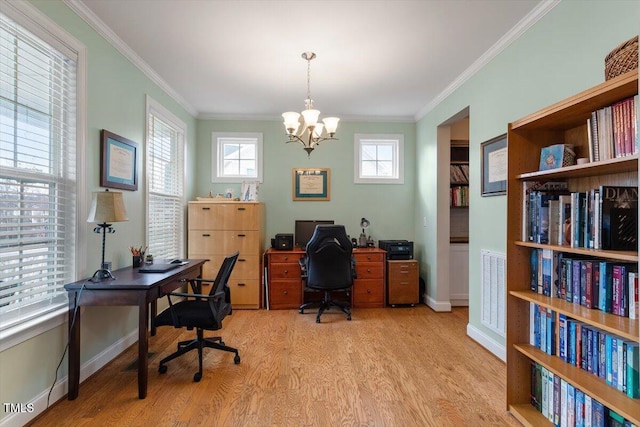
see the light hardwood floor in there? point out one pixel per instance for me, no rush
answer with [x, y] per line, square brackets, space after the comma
[387, 367]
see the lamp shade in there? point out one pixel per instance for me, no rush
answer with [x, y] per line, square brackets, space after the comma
[106, 207]
[331, 124]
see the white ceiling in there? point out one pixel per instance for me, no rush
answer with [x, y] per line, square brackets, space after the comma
[376, 60]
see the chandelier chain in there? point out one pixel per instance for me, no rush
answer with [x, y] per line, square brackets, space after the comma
[309, 82]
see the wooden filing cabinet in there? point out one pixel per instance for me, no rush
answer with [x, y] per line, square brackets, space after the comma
[403, 286]
[218, 229]
[285, 282]
[369, 286]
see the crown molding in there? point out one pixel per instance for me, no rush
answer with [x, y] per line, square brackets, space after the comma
[520, 28]
[101, 28]
[271, 118]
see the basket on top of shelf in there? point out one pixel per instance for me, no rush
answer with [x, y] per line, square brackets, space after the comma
[621, 59]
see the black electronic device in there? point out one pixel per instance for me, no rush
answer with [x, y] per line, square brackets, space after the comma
[397, 249]
[305, 228]
[282, 242]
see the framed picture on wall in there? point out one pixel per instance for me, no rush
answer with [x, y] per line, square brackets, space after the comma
[119, 159]
[311, 184]
[494, 166]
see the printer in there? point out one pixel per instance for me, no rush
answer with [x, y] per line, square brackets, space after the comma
[397, 249]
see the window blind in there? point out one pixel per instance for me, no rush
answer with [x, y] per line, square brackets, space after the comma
[38, 183]
[165, 166]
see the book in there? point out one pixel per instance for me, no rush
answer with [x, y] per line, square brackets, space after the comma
[619, 218]
[633, 369]
[633, 294]
[564, 228]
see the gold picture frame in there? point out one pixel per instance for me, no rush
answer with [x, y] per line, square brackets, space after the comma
[311, 184]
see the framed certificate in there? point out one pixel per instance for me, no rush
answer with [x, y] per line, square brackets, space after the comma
[119, 159]
[311, 184]
[494, 166]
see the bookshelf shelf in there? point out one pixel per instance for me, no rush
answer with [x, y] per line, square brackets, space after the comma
[562, 123]
[628, 256]
[622, 326]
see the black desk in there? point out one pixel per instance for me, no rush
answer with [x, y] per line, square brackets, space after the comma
[129, 288]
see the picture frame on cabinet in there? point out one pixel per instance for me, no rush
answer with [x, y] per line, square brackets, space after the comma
[312, 184]
[119, 162]
[493, 165]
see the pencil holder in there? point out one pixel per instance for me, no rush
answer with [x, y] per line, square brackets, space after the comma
[137, 261]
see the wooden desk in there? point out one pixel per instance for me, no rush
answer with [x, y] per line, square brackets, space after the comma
[286, 288]
[129, 288]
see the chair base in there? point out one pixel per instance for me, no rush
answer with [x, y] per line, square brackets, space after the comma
[199, 343]
[325, 304]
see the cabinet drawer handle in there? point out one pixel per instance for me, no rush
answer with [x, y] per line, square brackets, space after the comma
[368, 291]
[241, 209]
[241, 260]
[206, 235]
[241, 235]
[286, 272]
[206, 209]
[286, 292]
[286, 258]
[241, 284]
[368, 258]
[368, 270]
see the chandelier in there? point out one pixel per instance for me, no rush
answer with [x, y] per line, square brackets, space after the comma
[312, 131]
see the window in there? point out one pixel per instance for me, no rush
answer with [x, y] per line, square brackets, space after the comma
[165, 182]
[236, 157]
[41, 163]
[379, 159]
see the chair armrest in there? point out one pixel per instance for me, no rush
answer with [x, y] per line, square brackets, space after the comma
[214, 297]
[196, 284]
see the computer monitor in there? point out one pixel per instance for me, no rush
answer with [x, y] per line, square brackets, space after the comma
[305, 228]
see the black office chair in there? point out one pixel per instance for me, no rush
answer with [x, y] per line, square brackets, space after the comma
[328, 266]
[200, 312]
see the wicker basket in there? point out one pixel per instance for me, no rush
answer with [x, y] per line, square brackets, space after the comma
[621, 59]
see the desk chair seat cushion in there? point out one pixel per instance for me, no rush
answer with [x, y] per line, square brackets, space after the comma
[191, 314]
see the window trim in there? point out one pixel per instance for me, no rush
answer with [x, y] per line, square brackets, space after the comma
[398, 139]
[216, 157]
[42, 26]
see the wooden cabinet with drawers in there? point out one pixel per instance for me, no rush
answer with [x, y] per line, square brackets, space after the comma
[368, 288]
[286, 288]
[403, 286]
[218, 229]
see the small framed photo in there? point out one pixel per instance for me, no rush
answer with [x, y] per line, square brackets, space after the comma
[311, 184]
[119, 160]
[494, 166]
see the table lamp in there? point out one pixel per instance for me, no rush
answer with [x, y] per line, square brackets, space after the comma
[106, 207]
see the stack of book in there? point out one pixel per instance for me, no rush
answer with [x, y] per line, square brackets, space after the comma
[613, 130]
[601, 218]
[611, 287]
[564, 404]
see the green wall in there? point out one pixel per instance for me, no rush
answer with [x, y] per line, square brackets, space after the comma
[561, 55]
[388, 207]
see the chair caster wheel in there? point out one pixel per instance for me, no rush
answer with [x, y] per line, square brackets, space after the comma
[318, 320]
[236, 359]
[301, 310]
[349, 317]
[222, 342]
[162, 369]
[197, 377]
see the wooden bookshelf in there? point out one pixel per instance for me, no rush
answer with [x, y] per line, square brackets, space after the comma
[563, 122]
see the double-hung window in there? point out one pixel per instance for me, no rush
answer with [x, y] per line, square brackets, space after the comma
[379, 159]
[236, 157]
[165, 153]
[40, 170]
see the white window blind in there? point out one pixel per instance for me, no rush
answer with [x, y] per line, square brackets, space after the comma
[38, 181]
[165, 166]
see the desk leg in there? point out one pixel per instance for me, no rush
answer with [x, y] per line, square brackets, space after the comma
[154, 313]
[143, 347]
[74, 348]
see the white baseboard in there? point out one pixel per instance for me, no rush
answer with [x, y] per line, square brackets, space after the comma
[484, 340]
[437, 305]
[39, 403]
